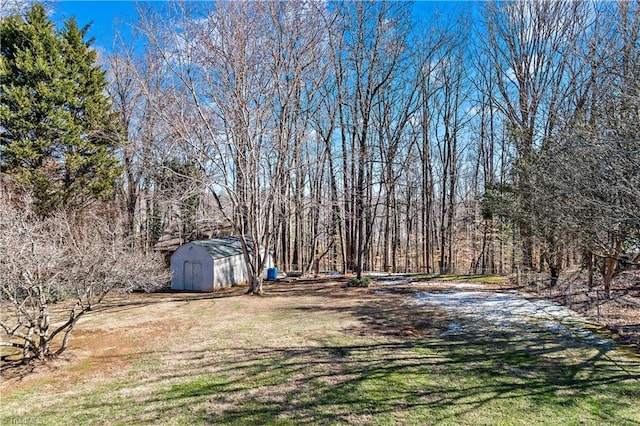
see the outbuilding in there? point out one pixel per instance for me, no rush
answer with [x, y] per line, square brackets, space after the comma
[208, 265]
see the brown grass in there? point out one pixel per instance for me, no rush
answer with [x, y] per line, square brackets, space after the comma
[127, 328]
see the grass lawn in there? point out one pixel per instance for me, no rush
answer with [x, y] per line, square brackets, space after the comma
[314, 352]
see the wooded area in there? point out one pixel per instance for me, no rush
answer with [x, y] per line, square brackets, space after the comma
[363, 136]
[343, 136]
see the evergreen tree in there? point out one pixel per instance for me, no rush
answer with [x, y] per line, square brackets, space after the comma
[57, 132]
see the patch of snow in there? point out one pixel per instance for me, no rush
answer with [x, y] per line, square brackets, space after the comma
[510, 312]
[394, 282]
[377, 274]
[461, 285]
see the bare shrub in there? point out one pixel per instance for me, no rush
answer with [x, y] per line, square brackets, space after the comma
[55, 270]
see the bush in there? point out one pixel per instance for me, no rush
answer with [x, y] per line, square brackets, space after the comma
[74, 260]
[363, 282]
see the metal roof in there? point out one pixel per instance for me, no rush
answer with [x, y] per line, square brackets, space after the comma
[220, 248]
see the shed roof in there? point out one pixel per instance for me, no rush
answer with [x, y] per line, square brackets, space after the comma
[220, 248]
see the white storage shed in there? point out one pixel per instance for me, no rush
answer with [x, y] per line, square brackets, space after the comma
[209, 265]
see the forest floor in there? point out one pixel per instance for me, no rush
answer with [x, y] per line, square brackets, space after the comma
[407, 350]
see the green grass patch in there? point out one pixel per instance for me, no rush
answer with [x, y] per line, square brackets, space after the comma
[201, 386]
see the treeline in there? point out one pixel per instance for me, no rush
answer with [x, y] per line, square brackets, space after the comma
[357, 136]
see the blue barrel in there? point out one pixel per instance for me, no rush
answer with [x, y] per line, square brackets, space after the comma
[272, 274]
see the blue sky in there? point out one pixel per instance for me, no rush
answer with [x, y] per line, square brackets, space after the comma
[107, 17]
[110, 16]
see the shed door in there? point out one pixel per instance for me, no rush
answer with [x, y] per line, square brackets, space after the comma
[192, 275]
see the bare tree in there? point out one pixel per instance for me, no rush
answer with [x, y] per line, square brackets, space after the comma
[55, 270]
[487, 166]
[16, 7]
[528, 43]
[392, 114]
[303, 124]
[160, 189]
[127, 95]
[371, 48]
[325, 124]
[449, 101]
[296, 66]
[246, 70]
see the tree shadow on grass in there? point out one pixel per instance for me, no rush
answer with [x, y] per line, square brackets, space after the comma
[403, 367]
[401, 364]
[317, 287]
[433, 380]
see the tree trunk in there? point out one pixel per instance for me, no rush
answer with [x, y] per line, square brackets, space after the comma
[255, 285]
